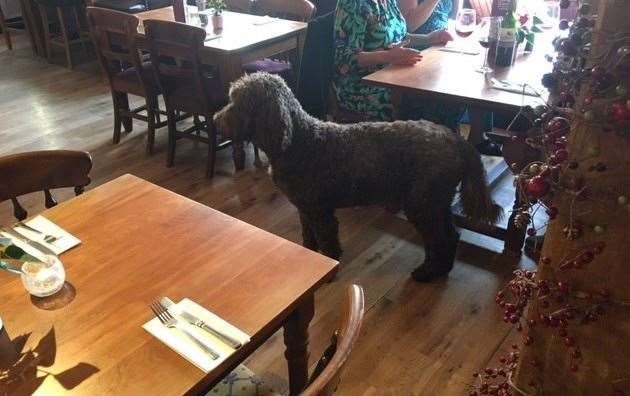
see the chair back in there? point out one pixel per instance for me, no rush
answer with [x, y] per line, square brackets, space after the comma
[295, 10]
[114, 36]
[330, 367]
[42, 171]
[483, 8]
[175, 56]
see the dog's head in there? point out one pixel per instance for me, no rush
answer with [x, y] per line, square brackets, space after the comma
[260, 110]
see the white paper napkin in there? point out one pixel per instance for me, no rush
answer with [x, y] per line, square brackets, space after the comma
[64, 242]
[458, 48]
[512, 86]
[181, 344]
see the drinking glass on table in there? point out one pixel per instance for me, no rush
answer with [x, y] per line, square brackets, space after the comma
[465, 22]
[488, 32]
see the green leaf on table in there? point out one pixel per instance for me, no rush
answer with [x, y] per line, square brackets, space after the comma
[537, 20]
[536, 29]
[520, 36]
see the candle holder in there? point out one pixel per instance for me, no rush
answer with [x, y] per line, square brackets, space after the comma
[45, 278]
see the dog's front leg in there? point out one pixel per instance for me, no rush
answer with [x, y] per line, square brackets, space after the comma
[309, 240]
[325, 227]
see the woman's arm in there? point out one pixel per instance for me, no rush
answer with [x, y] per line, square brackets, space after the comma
[350, 30]
[416, 14]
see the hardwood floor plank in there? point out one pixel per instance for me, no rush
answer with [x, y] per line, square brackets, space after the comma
[418, 339]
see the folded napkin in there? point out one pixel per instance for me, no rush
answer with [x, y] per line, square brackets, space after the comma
[512, 86]
[449, 47]
[263, 20]
[64, 241]
[180, 343]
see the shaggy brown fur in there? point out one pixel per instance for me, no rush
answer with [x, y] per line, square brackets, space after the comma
[321, 166]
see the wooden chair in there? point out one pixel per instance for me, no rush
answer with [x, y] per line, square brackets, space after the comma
[5, 29]
[71, 31]
[186, 85]
[328, 371]
[42, 171]
[114, 36]
[295, 10]
[483, 8]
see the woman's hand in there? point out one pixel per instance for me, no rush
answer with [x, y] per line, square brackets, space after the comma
[403, 56]
[439, 37]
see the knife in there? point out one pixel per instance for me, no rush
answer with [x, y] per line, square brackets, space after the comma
[42, 248]
[195, 321]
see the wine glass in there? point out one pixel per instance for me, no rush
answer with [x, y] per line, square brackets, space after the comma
[465, 22]
[487, 32]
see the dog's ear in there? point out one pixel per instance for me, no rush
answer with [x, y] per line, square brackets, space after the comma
[274, 126]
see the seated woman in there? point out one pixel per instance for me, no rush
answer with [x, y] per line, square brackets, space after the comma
[370, 34]
[426, 16]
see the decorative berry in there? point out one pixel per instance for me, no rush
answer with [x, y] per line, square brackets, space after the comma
[621, 90]
[537, 187]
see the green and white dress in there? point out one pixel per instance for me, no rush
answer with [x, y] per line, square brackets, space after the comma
[364, 25]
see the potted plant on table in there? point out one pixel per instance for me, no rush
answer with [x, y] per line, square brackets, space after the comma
[217, 13]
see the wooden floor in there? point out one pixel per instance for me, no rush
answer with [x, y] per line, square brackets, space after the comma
[418, 339]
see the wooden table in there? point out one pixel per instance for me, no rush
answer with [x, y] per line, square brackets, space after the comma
[452, 78]
[140, 241]
[244, 39]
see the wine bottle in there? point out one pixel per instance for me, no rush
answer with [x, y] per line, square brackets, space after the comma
[499, 9]
[506, 47]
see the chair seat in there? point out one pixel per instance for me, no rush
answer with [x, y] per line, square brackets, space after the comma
[269, 66]
[127, 80]
[241, 382]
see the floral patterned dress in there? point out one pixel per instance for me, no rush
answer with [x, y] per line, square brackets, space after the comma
[438, 19]
[364, 25]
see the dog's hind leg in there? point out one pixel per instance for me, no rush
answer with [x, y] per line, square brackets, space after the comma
[325, 226]
[440, 240]
[309, 240]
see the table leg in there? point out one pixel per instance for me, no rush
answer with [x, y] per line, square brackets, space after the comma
[477, 125]
[397, 103]
[514, 236]
[231, 69]
[296, 341]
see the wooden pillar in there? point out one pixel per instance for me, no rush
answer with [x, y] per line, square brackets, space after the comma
[600, 158]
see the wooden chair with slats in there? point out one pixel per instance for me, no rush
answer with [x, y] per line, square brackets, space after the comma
[327, 373]
[64, 27]
[483, 8]
[114, 36]
[42, 171]
[285, 65]
[186, 85]
[5, 29]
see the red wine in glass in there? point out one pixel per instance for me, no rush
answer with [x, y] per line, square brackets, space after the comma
[463, 33]
[484, 42]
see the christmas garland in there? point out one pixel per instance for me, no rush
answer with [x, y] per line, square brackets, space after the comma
[555, 305]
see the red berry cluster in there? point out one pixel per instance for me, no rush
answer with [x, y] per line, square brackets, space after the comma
[557, 305]
[495, 381]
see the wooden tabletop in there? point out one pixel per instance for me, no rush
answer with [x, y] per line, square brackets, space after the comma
[452, 77]
[140, 241]
[241, 32]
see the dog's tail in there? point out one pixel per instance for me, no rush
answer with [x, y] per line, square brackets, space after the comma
[478, 204]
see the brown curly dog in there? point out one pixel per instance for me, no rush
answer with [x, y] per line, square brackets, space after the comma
[322, 166]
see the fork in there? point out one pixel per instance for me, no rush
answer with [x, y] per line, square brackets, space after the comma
[47, 238]
[171, 322]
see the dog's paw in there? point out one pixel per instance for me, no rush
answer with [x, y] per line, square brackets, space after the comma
[428, 272]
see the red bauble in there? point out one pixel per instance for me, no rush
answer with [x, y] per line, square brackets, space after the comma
[558, 126]
[619, 112]
[561, 155]
[537, 187]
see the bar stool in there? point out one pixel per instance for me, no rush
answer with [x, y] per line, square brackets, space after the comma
[71, 30]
